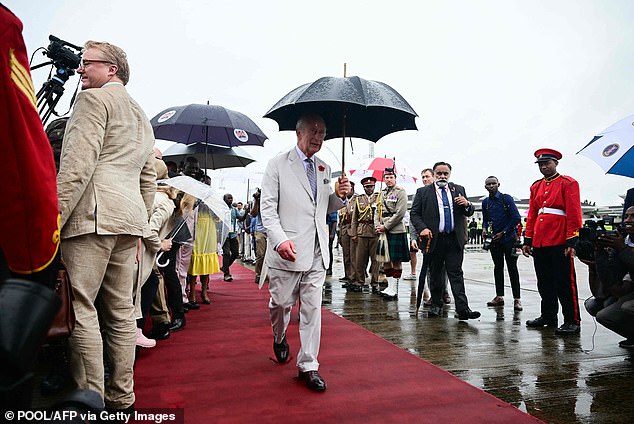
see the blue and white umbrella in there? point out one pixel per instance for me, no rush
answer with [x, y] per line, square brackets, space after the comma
[612, 148]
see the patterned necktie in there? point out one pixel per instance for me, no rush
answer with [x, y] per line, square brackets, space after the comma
[312, 178]
[447, 211]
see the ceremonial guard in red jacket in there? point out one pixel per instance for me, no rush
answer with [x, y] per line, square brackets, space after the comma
[552, 228]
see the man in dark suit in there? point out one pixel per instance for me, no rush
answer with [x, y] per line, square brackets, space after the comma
[629, 201]
[438, 214]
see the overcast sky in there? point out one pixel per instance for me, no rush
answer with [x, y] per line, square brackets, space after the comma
[491, 81]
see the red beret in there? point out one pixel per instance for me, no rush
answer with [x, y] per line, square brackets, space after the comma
[544, 155]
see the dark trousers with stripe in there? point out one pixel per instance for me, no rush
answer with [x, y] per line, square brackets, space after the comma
[557, 281]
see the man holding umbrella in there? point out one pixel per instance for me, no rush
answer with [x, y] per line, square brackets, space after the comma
[296, 196]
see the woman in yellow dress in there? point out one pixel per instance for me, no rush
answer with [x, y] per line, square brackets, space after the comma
[204, 260]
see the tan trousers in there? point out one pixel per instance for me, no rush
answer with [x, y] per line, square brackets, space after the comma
[285, 288]
[100, 269]
[260, 251]
[366, 249]
[159, 311]
[349, 252]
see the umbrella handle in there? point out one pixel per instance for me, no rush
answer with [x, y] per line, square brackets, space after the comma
[158, 263]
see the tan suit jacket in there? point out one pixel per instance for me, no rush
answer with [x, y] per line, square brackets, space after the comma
[288, 210]
[106, 182]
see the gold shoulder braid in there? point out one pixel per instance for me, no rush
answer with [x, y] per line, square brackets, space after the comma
[363, 213]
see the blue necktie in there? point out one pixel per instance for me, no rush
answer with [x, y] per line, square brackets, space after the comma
[312, 178]
[447, 211]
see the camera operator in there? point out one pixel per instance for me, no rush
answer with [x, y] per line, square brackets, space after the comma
[612, 270]
[106, 186]
[501, 217]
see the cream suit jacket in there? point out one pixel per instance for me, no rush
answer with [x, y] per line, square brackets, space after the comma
[106, 182]
[289, 213]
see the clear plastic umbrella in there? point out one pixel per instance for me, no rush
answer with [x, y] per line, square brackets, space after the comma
[217, 208]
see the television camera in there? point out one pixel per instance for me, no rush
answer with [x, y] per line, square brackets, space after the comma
[66, 58]
[588, 237]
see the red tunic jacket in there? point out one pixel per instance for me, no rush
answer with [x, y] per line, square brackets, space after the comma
[547, 229]
[29, 226]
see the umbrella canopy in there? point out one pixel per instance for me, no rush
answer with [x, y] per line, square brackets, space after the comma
[215, 157]
[212, 199]
[207, 124]
[612, 149]
[374, 167]
[351, 107]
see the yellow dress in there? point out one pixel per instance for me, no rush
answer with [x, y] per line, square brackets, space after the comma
[204, 259]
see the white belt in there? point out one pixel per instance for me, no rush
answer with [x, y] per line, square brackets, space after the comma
[551, 211]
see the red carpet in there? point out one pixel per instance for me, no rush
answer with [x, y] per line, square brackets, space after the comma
[218, 369]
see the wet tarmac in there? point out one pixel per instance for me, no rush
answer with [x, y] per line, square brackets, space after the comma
[572, 379]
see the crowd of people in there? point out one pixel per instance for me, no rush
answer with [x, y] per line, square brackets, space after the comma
[115, 220]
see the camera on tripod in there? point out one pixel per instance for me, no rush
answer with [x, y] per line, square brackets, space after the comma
[66, 61]
[62, 56]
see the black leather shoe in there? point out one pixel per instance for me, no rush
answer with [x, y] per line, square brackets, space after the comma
[568, 329]
[541, 322]
[160, 331]
[192, 304]
[468, 314]
[313, 380]
[354, 288]
[177, 324]
[281, 351]
[434, 311]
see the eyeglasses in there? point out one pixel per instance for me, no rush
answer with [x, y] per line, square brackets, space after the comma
[87, 63]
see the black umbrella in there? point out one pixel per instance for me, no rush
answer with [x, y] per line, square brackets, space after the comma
[351, 107]
[207, 124]
[217, 157]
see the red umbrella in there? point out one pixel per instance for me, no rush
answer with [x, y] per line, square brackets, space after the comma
[374, 167]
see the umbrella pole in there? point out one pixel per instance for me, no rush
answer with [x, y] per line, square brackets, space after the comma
[343, 130]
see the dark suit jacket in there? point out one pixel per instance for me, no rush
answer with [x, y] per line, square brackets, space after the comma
[629, 201]
[425, 214]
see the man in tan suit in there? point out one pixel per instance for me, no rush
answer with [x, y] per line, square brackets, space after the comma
[106, 185]
[296, 196]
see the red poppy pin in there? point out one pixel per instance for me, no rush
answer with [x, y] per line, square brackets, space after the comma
[321, 168]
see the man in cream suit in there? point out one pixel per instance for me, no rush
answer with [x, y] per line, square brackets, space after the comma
[296, 196]
[106, 185]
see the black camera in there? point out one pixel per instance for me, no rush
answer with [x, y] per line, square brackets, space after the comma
[66, 62]
[486, 244]
[62, 56]
[588, 237]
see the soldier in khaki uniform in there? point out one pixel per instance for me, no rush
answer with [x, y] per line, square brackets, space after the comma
[345, 238]
[392, 205]
[363, 231]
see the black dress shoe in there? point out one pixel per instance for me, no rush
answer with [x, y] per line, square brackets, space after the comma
[281, 351]
[468, 314]
[160, 331]
[177, 324]
[541, 322]
[568, 329]
[313, 380]
[434, 311]
[354, 287]
[192, 304]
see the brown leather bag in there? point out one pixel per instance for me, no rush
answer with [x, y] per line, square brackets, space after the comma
[64, 322]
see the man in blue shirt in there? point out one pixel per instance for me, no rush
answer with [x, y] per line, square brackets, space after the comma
[500, 226]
